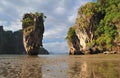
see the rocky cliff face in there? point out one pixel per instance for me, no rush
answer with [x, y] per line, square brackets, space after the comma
[33, 29]
[85, 28]
[95, 29]
[11, 42]
[73, 42]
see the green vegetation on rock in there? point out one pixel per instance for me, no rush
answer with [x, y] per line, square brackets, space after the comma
[107, 30]
[29, 20]
[101, 21]
[71, 33]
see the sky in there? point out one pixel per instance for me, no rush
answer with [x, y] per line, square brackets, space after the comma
[61, 15]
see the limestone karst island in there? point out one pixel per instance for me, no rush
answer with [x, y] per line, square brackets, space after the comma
[33, 29]
[96, 29]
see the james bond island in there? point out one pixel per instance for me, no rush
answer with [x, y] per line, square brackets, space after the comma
[33, 29]
[97, 28]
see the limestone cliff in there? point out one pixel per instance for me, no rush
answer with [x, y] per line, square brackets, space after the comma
[96, 27]
[11, 42]
[73, 41]
[86, 26]
[33, 29]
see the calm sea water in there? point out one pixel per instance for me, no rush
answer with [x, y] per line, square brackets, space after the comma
[60, 66]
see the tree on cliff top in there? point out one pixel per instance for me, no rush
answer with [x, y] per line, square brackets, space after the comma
[29, 18]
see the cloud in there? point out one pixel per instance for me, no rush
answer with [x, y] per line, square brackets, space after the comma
[56, 31]
[60, 10]
[56, 47]
[3, 22]
[72, 18]
[61, 14]
[16, 25]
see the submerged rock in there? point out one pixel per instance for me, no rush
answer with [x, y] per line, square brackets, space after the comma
[33, 29]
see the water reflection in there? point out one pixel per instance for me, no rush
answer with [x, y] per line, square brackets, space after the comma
[94, 69]
[78, 70]
[58, 67]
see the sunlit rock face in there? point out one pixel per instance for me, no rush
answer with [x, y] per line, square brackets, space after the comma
[85, 28]
[33, 29]
[74, 48]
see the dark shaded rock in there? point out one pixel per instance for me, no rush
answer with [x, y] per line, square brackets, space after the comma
[43, 51]
[11, 42]
[94, 50]
[33, 29]
[73, 42]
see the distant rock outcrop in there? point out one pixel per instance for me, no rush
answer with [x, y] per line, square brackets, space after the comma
[33, 29]
[11, 42]
[97, 28]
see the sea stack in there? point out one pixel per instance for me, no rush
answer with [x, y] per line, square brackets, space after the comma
[33, 29]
